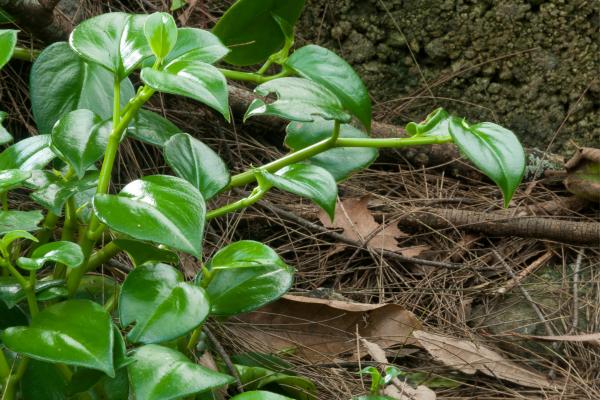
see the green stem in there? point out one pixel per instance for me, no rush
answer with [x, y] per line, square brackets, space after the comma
[11, 383]
[194, 338]
[21, 53]
[4, 367]
[257, 194]
[48, 226]
[28, 288]
[251, 76]
[68, 233]
[95, 227]
[324, 145]
[102, 256]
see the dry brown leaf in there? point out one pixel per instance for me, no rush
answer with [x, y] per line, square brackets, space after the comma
[593, 338]
[469, 357]
[322, 330]
[353, 216]
[583, 177]
[399, 390]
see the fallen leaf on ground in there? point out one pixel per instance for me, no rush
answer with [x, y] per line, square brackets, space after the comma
[322, 330]
[593, 338]
[469, 357]
[359, 225]
[399, 389]
[583, 174]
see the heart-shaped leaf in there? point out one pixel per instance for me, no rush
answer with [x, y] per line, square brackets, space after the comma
[20, 221]
[436, 124]
[27, 154]
[5, 136]
[197, 163]
[8, 41]
[340, 161]
[306, 180]
[161, 32]
[152, 128]
[142, 252]
[61, 82]
[251, 30]
[161, 373]
[15, 235]
[74, 332]
[259, 395]
[194, 79]
[495, 150]
[114, 40]
[161, 304]
[161, 209]
[80, 139]
[297, 100]
[12, 179]
[55, 195]
[330, 70]
[43, 381]
[245, 276]
[12, 293]
[67, 253]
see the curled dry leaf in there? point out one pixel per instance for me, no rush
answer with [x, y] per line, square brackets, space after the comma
[469, 357]
[321, 330]
[353, 216]
[593, 338]
[583, 174]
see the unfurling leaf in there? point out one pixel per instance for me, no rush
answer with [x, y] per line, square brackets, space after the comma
[436, 124]
[161, 32]
[161, 209]
[244, 276]
[495, 150]
[297, 100]
[330, 70]
[161, 304]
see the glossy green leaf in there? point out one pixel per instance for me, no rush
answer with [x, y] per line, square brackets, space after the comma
[8, 41]
[162, 305]
[116, 388]
[62, 82]
[114, 40]
[495, 150]
[264, 360]
[143, 252]
[152, 128]
[330, 70]
[245, 276]
[63, 252]
[80, 139]
[161, 209]
[27, 154]
[5, 136]
[194, 79]
[74, 332]
[436, 124]
[251, 30]
[306, 180]
[298, 99]
[20, 221]
[11, 292]
[160, 373]
[40, 179]
[297, 387]
[43, 381]
[340, 162]
[197, 163]
[52, 294]
[161, 32]
[177, 4]
[98, 288]
[15, 235]
[259, 395]
[197, 45]
[12, 179]
[55, 195]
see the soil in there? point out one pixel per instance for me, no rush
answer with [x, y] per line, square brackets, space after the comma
[531, 66]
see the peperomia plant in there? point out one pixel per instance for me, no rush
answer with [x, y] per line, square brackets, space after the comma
[68, 334]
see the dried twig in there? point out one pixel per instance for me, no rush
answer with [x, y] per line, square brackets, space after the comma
[518, 278]
[225, 357]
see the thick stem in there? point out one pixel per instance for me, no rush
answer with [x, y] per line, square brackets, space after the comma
[95, 228]
[102, 256]
[11, 383]
[25, 54]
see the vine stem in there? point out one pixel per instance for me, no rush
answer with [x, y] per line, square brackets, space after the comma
[95, 228]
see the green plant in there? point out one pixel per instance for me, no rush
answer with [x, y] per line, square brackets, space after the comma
[59, 337]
